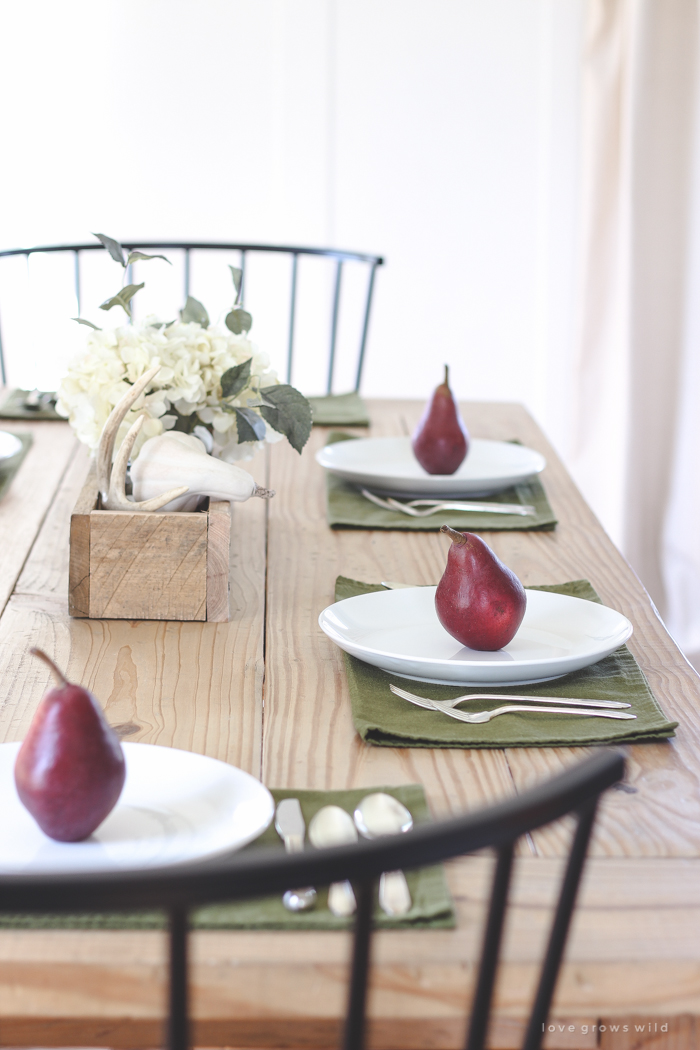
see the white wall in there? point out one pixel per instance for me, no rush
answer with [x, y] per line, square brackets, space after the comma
[443, 136]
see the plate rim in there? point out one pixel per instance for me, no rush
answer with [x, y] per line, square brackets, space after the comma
[17, 450]
[325, 449]
[496, 664]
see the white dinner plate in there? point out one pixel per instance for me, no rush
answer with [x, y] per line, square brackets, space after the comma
[10, 445]
[388, 465]
[176, 806]
[399, 631]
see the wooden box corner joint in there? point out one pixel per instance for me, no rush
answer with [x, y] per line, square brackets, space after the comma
[128, 565]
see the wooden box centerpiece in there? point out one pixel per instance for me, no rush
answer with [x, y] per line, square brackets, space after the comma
[136, 565]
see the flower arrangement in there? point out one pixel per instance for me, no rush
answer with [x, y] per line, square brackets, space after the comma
[213, 381]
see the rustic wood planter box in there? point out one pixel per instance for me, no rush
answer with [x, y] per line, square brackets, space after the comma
[131, 565]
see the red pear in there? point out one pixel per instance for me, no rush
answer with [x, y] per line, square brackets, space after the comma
[441, 441]
[479, 601]
[70, 769]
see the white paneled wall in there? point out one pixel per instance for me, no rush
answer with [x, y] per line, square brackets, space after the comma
[444, 136]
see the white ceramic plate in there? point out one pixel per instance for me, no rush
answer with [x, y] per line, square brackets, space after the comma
[10, 445]
[176, 806]
[399, 631]
[388, 465]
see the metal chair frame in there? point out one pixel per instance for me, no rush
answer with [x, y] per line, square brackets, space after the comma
[256, 873]
[341, 257]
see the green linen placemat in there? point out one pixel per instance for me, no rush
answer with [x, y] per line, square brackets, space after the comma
[339, 410]
[432, 905]
[9, 467]
[346, 507]
[388, 721]
[13, 407]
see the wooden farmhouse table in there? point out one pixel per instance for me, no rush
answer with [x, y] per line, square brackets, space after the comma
[267, 692]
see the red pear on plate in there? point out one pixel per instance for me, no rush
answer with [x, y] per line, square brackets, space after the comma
[440, 441]
[479, 601]
[70, 768]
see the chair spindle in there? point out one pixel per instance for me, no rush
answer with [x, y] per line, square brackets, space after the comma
[357, 1001]
[365, 326]
[178, 1022]
[243, 261]
[483, 993]
[560, 925]
[334, 323]
[292, 315]
[76, 278]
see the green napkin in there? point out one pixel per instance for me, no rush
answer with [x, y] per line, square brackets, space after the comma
[388, 721]
[13, 407]
[432, 905]
[339, 410]
[346, 507]
[9, 467]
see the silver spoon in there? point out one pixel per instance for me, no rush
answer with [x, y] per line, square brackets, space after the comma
[381, 814]
[332, 826]
[289, 824]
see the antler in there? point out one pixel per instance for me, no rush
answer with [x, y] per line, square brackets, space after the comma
[114, 421]
[111, 480]
[116, 496]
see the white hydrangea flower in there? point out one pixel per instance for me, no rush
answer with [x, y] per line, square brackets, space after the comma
[192, 361]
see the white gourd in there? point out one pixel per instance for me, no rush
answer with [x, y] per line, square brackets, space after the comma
[181, 459]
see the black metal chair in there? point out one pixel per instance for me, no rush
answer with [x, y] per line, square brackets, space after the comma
[371, 262]
[256, 873]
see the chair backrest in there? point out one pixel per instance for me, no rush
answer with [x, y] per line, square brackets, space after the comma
[257, 873]
[189, 250]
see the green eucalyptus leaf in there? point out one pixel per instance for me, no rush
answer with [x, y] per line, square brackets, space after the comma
[81, 320]
[161, 324]
[122, 298]
[239, 321]
[237, 274]
[249, 424]
[194, 311]
[236, 379]
[291, 414]
[135, 256]
[113, 247]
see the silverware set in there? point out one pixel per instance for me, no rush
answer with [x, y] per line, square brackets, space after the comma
[35, 399]
[433, 506]
[375, 815]
[586, 708]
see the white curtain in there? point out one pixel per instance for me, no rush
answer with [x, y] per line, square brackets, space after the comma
[639, 332]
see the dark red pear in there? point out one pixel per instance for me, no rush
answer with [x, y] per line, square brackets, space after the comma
[70, 768]
[441, 440]
[479, 601]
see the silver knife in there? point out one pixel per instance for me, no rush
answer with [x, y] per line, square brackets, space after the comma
[289, 824]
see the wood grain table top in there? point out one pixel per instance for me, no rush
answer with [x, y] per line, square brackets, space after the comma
[267, 692]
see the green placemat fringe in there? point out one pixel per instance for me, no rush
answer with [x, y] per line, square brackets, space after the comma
[432, 905]
[388, 721]
[339, 410]
[347, 508]
[9, 467]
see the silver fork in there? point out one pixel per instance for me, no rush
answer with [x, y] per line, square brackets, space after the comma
[421, 701]
[477, 717]
[434, 505]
